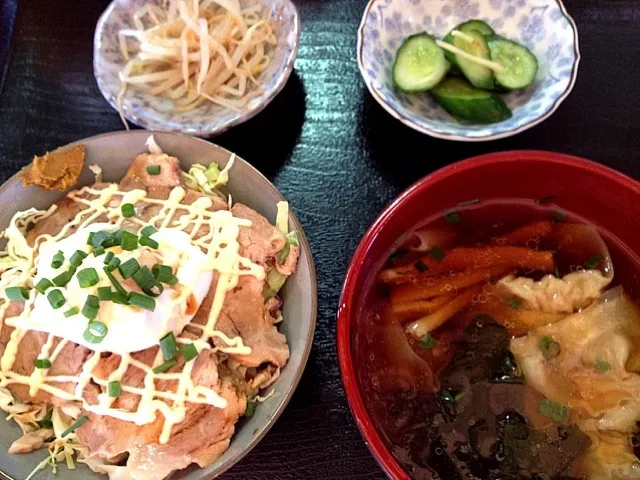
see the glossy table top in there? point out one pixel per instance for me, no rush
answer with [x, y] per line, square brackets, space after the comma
[335, 154]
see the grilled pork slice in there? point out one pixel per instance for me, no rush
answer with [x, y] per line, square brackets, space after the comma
[200, 438]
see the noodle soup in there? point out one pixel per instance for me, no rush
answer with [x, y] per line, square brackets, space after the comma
[504, 343]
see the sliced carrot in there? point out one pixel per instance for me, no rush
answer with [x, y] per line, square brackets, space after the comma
[462, 259]
[521, 235]
[407, 311]
[428, 267]
[450, 284]
[432, 321]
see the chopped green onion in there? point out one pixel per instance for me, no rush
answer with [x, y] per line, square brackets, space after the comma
[58, 260]
[46, 421]
[64, 278]
[90, 238]
[147, 282]
[71, 312]
[56, 299]
[189, 352]
[549, 347]
[594, 261]
[437, 253]
[117, 237]
[163, 273]
[602, 366]
[75, 425]
[91, 308]
[114, 282]
[172, 281]
[165, 366]
[108, 258]
[88, 277]
[148, 231]
[153, 169]
[169, 346]
[43, 285]
[142, 301]
[95, 332]
[114, 389]
[127, 210]
[251, 409]
[77, 258]
[102, 239]
[104, 294]
[129, 241]
[17, 294]
[113, 264]
[397, 255]
[452, 217]
[98, 251]
[553, 410]
[43, 363]
[547, 199]
[149, 242]
[559, 216]
[128, 268]
[120, 298]
[421, 266]
[451, 395]
[515, 304]
[428, 342]
[468, 203]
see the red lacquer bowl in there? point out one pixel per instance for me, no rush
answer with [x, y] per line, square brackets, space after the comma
[603, 196]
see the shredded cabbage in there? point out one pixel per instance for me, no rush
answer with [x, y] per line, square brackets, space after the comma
[97, 171]
[207, 179]
[282, 218]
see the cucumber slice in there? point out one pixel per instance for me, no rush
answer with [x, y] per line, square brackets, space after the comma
[476, 26]
[469, 104]
[521, 65]
[420, 64]
[479, 76]
[467, 27]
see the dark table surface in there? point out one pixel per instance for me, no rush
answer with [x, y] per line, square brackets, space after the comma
[332, 151]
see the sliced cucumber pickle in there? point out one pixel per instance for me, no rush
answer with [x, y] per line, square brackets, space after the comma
[520, 64]
[471, 26]
[479, 75]
[420, 64]
[464, 102]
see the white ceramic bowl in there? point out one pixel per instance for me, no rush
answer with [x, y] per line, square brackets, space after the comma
[544, 26]
[114, 152]
[155, 113]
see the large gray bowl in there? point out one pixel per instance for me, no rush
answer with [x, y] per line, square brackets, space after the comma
[114, 152]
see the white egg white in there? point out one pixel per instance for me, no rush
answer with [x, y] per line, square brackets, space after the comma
[131, 329]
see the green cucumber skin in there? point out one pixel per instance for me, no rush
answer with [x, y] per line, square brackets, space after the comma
[395, 64]
[469, 104]
[479, 26]
[450, 55]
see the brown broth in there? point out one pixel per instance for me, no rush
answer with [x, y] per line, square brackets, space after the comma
[406, 386]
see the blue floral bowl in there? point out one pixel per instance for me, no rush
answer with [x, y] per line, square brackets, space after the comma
[542, 25]
[157, 113]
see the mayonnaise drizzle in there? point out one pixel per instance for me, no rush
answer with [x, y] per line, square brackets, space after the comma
[222, 248]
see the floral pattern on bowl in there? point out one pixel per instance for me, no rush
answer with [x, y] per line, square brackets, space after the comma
[542, 25]
[155, 113]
